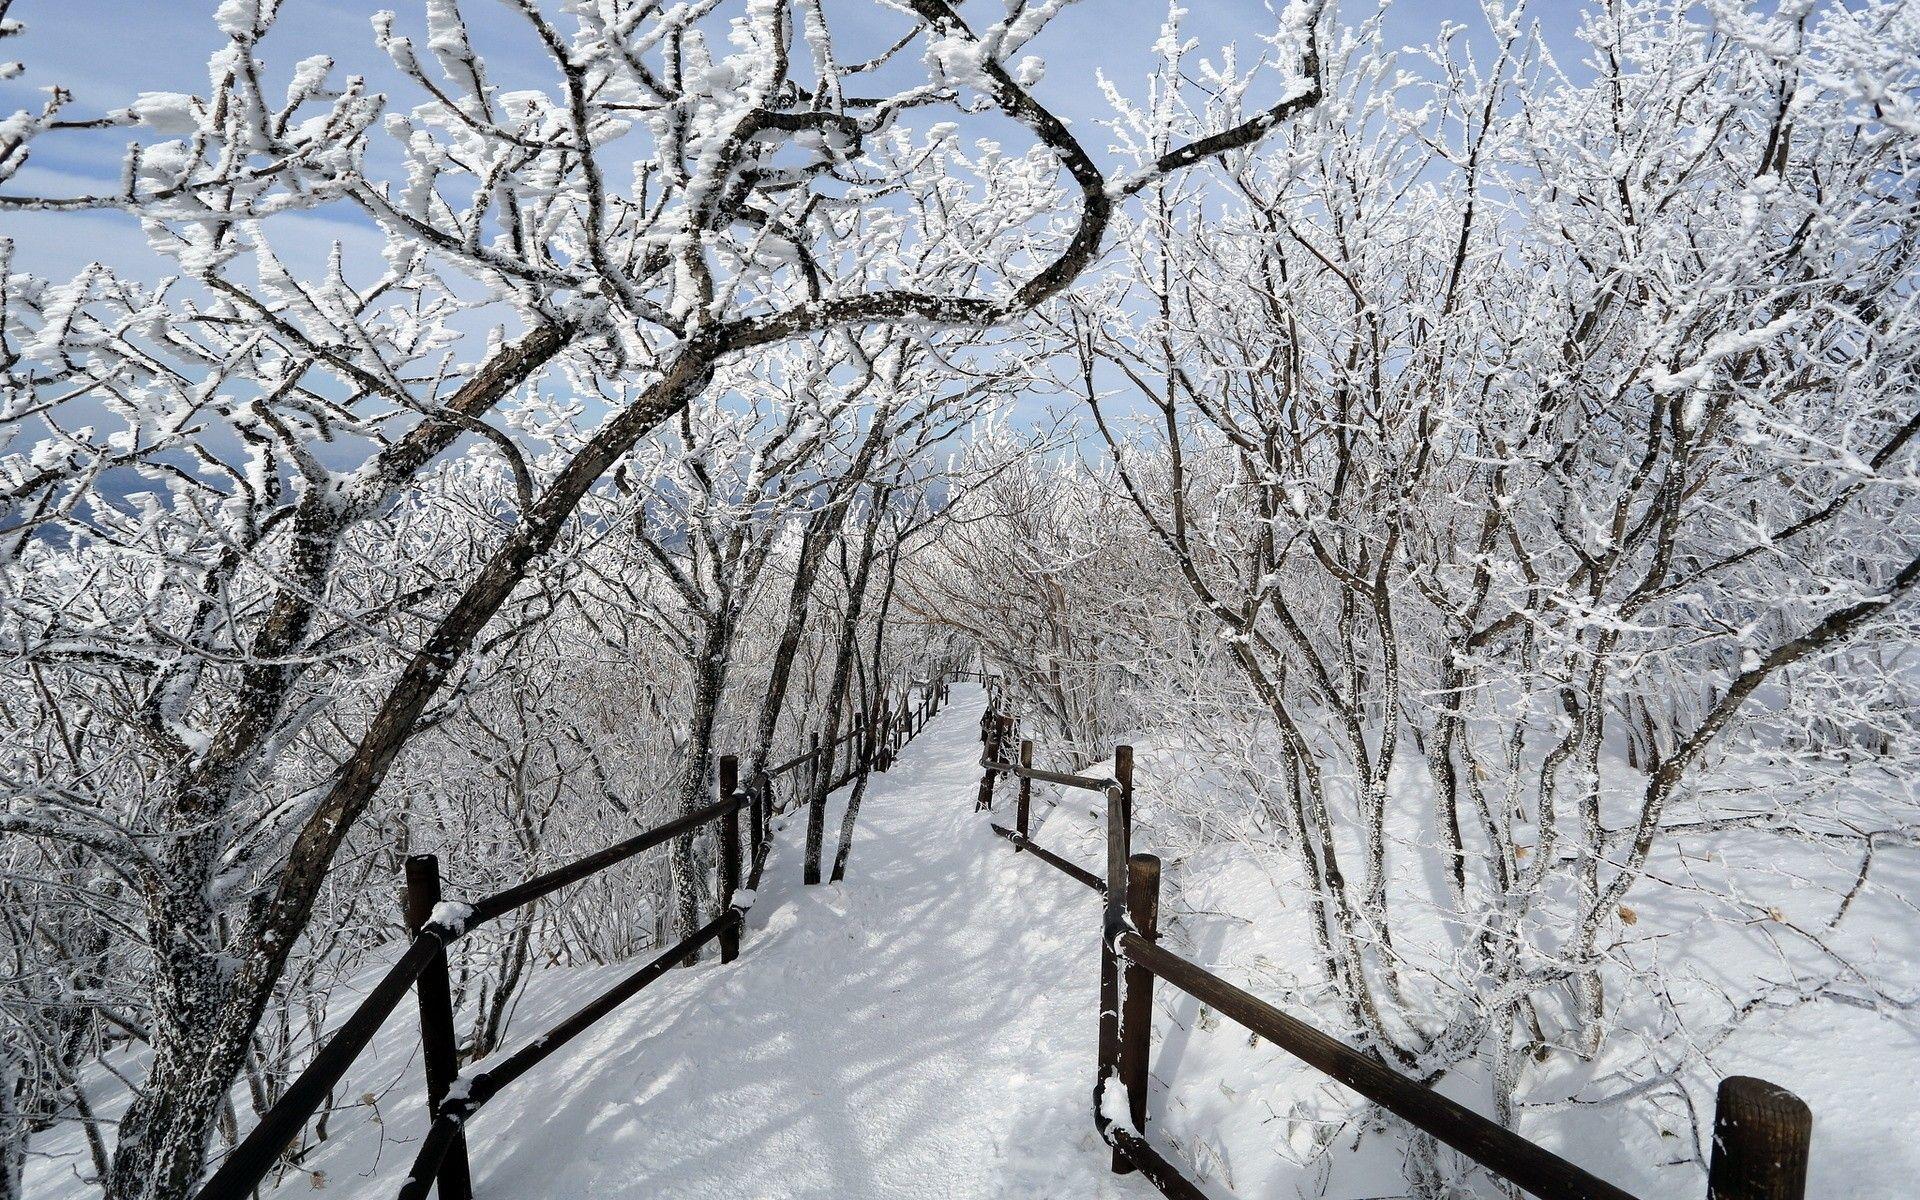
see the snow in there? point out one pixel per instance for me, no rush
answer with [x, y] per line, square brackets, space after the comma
[237, 18]
[1249, 1119]
[925, 1029]
[171, 113]
[451, 915]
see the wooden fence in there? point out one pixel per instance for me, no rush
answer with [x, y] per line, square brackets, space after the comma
[436, 924]
[1761, 1131]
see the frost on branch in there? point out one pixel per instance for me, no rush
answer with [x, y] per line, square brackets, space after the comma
[277, 517]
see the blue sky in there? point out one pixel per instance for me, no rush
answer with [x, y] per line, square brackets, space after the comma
[108, 51]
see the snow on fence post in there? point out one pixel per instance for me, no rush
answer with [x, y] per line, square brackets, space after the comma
[1136, 995]
[729, 854]
[1026, 790]
[1761, 1133]
[438, 1046]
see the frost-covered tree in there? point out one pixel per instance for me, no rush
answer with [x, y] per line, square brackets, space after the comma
[1550, 434]
[192, 464]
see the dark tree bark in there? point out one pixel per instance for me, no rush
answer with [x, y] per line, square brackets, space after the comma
[847, 646]
[873, 713]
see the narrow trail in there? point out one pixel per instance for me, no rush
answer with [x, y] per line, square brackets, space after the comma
[925, 1029]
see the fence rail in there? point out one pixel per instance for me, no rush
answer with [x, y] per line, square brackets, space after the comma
[436, 925]
[1761, 1131]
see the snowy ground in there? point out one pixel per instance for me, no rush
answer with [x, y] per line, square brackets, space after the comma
[1250, 1121]
[925, 1029]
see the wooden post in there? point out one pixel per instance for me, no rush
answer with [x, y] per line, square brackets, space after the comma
[816, 813]
[1026, 788]
[729, 854]
[438, 1048]
[1761, 1133]
[1123, 771]
[1136, 1005]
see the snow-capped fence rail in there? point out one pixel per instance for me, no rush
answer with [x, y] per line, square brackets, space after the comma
[1761, 1131]
[425, 960]
[437, 924]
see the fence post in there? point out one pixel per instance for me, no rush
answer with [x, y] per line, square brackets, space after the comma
[1136, 1005]
[1123, 771]
[1761, 1133]
[816, 813]
[1026, 788]
[438, 1049]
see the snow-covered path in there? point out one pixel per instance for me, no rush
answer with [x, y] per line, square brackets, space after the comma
[925, 1029]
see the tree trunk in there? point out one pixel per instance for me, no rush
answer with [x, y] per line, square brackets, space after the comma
[205, 1014]
[873, 712]
[713, 646]
[822, 527]
[844, 651]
